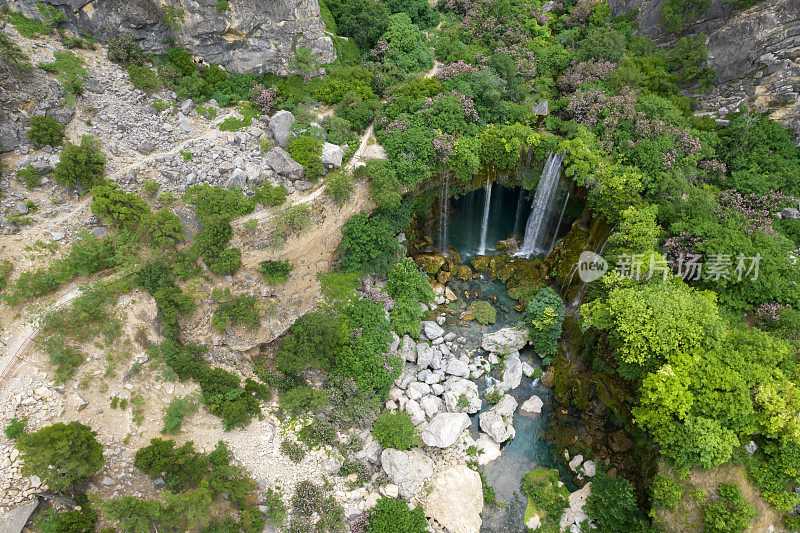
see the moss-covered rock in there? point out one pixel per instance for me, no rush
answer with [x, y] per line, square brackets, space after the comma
[430, 263]
[479, 263]
[462, 272]
[443, 276]
[547, 498]
[483, 312]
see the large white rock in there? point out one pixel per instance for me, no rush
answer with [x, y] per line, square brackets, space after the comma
[575, 462]
[414, 410]
[512, 372]
[505, 340]
[454, 389]
[574, 513]
[534, 522]
[456, 367]
[444, 429]
[408, 349]
[408, 470]
[455, 500]
[431, 405]
[532, 405]
[432, 330]
[498, 422]
[280, 125]
[424, 355]
[331, 155]
[488, 449]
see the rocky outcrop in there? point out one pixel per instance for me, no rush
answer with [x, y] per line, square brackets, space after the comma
[408, 470]
[455, 500]
[444, 429]
[498, 422]
[250, 36]
[505, 341]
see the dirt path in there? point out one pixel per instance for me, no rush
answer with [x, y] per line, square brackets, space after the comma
[28, 328]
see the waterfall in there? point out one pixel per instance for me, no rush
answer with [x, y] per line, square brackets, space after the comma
[485, 221]
[542, 206]
[444, 209]
[558, 225]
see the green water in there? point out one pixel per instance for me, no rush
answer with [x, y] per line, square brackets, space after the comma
[529, 449]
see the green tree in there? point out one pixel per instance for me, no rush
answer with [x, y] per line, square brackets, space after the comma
[61, 454]
[81, 166]
[544, 317]
[315, 339]
[45, 130]
[612, 506]
[408, 282]
[362, 20]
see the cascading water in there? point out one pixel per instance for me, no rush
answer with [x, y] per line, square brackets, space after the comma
[534, 242]
[485, 220]
[444, 209]
[558, 225]
[520, 206]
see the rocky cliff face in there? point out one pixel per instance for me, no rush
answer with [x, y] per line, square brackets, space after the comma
[250, 36]
[755, 52]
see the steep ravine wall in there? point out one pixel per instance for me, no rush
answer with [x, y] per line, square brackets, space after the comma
[755, 52]
[250, 36]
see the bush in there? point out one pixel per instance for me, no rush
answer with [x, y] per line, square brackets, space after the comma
[182, 60]
[276, 509]
[543, 317]
[362, 20]
[384, 187]
[730, 513]
[315, 339]
[612, 506]
[270, 195]
[359, 113]
[307, 151]
[275, 271]
[118, 208]
[293, 450]
[45, 130]
[545, 497]
[338, 187]
[667, 492]
[392, 515]
[181, 467]
[369, 244]
[80, 520]
[396, 430]
[240, 310]
[318, 433]
[175, 412]
[483, 312]
[124, 50]
[81, 166]
[30, 176]
[61, 454]
[142, 77]
[302, 399]
[69, 70]
[407, 282]
[164, 229]
[15, 428]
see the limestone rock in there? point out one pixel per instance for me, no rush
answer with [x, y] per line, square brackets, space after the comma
[332, 155]
[455, 500]
[444, 429]
[488, 449]
[455, 388]
[14, 521]
[512, 372]
[424, 355]
[505, 340]
[456, 367]
[282, 163]
[408, 470]
[408, 349]
[498, 422]
[532, 405]
[280, 125]
[432, 330]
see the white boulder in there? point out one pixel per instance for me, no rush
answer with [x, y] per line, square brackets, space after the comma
[408, 470]
[444, 429]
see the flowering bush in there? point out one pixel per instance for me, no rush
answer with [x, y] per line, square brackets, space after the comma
[265, 99]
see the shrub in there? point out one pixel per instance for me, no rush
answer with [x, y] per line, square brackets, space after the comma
[181, 467]
[291, 220]
[6, 268]
[338, 187]
[369, 244]
[293, 450]
[81, 166]
[545, 496]
[270, 195]
[61, 454]
[240, 310]
[359, 113]
[362, 20]
[45, 130]
[302, 399]
[384, 187]
[275, 508]
[16, 427]
[612, 506]
[275, 271]
[175, 412]
[222, 5]
[164, 229]
[79, 520]
[318, 433]
[483, 312]
[118, 208]
[142, 77]
[307, 151]
[315, 339]
[392, 515]
[730, 513]
[182, 60]
[69, 71]
[543, 317]
[667, 492]
[124, 50]
[396, 430]
[30, 176]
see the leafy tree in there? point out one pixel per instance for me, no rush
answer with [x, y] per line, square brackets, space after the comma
[638, 232]
[181, 467]
[369, 244]
[362, 20]
[137, 516]
[315, 339]
[61, 454]
[396, 430]
[408, 282]
[81, 166]
[612, 506]
[118, 208]
[543, 317]
[385, 188]
[420, 11]
[304, 62]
